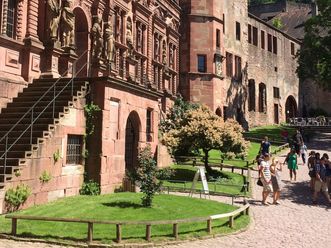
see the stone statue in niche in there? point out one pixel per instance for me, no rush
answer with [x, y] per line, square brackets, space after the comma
[96, 35]
[171, 56]
[109, 42]
[53, 17]
[67, 24]
[164, 54]
[156, 47]
[139, 36]
[129, 37]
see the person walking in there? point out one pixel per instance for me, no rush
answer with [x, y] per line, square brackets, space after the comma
[311, 167]
[275, 169]
[266, 178]
[320, 182]
[292, 163]
[265, 146]
[328, 171]
[303, 151]
[297, 141]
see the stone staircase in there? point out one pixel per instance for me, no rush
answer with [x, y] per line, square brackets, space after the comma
[17, 118]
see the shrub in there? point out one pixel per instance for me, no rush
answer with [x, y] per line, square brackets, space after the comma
[90, 188]
[147, 176]
[16, 197]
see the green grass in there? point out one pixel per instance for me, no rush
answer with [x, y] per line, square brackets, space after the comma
[272, 131]
[184, 174]
[122, 206]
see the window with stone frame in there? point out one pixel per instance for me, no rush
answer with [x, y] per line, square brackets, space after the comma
[274, 45]
[255, 36]
[249, 34]
[251, 95]
[262, 98]
[202, 63]
[237, 68]
[229, 64]
[262, 39]
[149, 125]
[269, 42]
[11, 19]
[74, 149]
[238, 31]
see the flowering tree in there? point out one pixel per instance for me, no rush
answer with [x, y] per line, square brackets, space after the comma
[201, 129]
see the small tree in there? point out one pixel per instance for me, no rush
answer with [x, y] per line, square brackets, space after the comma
[147, 176]
[201, 129]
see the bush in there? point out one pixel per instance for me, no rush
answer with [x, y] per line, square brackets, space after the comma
[90, 188]
[16, 197]
[147, 176]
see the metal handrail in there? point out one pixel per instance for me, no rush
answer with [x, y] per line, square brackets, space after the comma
[33, 120]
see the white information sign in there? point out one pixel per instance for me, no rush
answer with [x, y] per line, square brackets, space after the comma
[201, 171]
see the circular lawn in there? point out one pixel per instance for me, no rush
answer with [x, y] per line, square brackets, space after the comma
[120, 207]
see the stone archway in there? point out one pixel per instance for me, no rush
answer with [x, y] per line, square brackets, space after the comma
[290, 108]
[81, 36]
[132, 138]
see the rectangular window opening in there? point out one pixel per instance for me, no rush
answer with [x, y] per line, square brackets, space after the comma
[202, 63]
[229, 64]
[74, 149]
[249, 34]
[262, 39]
[238, 31]
[237, 68]
[11, 19]
[269, 42]
[149, 116]
[274, 45]
[255, 38]
[292, 49]
[218, 38]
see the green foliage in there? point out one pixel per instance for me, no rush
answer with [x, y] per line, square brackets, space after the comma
[90, 188]
[85, 153]
[147, 176]
[90, 110]
[314, 57]
[56, 155]
[200, 128]
[17, 173]
[176, 114]
[16, 197]
[277, 23]
[45, 177]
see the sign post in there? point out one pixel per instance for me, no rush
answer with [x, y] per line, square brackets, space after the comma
[201, 171]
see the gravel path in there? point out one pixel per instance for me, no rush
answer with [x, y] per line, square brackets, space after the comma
[293, 224]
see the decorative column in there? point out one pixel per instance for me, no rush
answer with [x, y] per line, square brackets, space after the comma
[19, 26]
[32, 25]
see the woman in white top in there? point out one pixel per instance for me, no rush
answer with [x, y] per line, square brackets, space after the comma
[265, 178]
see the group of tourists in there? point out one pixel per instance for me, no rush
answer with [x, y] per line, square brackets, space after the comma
[270, 169]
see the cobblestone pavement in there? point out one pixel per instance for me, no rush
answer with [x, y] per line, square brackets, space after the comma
[296, 223]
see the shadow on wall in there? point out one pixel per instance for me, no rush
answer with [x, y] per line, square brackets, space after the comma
[236, 99]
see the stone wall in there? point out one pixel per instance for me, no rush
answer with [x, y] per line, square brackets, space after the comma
[66, 179]
[273, 70]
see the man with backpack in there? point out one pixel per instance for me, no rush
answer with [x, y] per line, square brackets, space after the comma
[320, 181]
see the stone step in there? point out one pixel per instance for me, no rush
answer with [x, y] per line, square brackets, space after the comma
[58, 88]
[12, 162]
[36, 110]
[16, 154]
[26, 99]
[47, 83]
[41, 103]
[27, 128]
[18, 115]
[27, 120]
[20, 147]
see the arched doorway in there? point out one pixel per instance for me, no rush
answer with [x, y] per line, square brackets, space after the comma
[290, 108]
[81, 36]
[131, 146]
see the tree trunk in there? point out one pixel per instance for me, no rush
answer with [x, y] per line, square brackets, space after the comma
[208, 168]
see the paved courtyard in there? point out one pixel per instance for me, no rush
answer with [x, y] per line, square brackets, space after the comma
[293, 224]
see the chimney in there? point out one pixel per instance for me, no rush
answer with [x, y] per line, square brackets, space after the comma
[314, 8]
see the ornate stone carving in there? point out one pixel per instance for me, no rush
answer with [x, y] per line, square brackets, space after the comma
[109, 42]
[96, 35]
[156, 47]
[171, 56]
[53, 18]
[164, 53]
[129, 37]
[67, 24]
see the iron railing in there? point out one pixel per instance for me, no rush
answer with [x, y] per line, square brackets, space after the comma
[31, 111]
